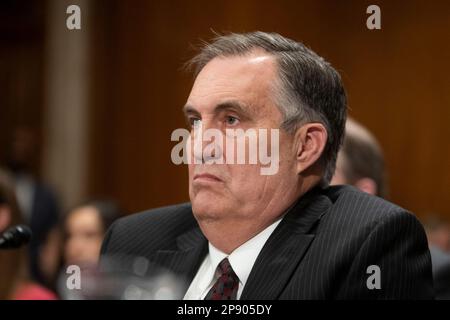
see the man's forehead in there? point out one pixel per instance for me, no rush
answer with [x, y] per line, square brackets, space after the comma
[255, 61]
[236, 77]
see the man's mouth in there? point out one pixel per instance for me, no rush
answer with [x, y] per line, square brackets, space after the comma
[207, 177]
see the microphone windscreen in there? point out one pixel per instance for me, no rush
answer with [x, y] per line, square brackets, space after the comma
[15, 237]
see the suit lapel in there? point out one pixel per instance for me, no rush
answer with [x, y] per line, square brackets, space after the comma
[184, 262]
[285, 248]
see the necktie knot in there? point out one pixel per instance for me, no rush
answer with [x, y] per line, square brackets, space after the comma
[225, 267]
[227, 284]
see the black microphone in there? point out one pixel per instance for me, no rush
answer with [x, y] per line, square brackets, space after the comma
[15, 237]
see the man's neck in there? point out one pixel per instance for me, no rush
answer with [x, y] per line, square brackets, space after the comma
[227, 236]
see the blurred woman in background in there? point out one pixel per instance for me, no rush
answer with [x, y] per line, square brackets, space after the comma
[84, 229]
[15, 281]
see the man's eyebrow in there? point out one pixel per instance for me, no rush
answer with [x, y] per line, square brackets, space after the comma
[230, 105]
[233, 105]
[188, 109]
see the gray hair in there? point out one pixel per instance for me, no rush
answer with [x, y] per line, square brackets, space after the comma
[309, 89]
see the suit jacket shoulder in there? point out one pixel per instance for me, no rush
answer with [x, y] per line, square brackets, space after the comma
[155, 229]
[357, 234]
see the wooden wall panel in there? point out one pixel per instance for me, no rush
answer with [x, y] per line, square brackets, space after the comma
[21, 73]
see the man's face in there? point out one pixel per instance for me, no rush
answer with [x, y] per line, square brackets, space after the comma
[237, 93]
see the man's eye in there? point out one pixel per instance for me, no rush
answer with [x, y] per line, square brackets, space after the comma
[230, 120]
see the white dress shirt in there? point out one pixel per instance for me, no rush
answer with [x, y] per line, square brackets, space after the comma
[241, 260]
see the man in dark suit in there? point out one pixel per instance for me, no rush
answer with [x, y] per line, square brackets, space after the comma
[282, 235]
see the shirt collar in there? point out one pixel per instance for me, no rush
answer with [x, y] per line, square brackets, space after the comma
[242, 258]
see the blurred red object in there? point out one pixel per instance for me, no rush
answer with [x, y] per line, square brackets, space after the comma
[34, 292]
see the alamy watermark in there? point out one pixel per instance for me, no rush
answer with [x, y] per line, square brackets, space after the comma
[374, 280]
[73, 281]
[234, 146]
[373, 22]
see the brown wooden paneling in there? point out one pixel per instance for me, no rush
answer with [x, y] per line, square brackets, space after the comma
[22, 25]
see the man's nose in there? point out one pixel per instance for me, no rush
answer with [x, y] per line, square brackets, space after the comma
[208, 143]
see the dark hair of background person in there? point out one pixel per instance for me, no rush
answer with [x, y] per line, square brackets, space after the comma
[309, 89]
[363, 157]
[12, 262]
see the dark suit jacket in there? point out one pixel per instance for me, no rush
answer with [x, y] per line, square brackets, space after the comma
[320, 250]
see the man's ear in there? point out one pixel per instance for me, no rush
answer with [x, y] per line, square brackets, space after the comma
[311, 139]
[5, 217]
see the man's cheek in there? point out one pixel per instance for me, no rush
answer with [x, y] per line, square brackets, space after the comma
[245, 186]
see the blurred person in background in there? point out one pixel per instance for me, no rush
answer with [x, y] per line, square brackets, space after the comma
[360, 161]
[438, 234]
[15, 282]
[84, 229]
[37, 202]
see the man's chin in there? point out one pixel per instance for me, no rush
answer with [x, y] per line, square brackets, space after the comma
[208, 209]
